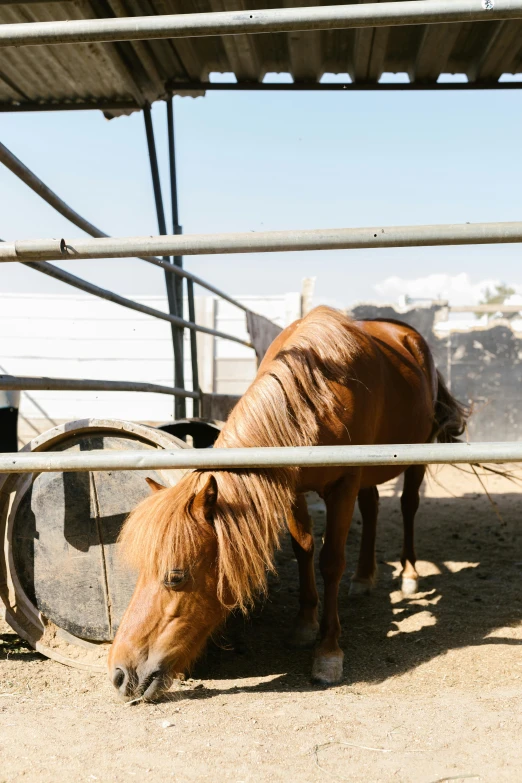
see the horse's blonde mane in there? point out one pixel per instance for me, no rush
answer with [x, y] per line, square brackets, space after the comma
[284, 406]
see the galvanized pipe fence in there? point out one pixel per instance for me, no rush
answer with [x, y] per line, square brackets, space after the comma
[263, 241]
[277, 457]
[33, 383]
[336, 17]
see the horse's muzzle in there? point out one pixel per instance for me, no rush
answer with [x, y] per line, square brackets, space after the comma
[144, 685]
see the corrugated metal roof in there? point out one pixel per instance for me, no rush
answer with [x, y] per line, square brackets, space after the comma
[130, 74]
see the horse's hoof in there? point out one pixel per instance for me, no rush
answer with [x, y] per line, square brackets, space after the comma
[303, 636]
[409, 585]
[327, 669]
[360, 587]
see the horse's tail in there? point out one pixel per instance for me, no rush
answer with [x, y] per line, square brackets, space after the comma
[451, 416]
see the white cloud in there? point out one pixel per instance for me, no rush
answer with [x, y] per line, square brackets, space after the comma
[457, 289]
[515, 299]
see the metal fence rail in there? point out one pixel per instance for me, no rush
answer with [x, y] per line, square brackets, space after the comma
[303, 456]
[272, 20]
[263, 241]
[486, 308]
[31, 383]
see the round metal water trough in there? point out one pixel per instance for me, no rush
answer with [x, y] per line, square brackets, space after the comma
[204, 432]
[61, 581]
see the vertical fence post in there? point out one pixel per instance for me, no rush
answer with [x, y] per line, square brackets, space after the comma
[177, 332]
[178, 260]
[196, 408]
[9, 406]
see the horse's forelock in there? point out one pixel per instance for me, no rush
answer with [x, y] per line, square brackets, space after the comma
[160, 534]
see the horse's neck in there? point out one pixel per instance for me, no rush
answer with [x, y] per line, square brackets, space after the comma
[262, 419]
[265, 487]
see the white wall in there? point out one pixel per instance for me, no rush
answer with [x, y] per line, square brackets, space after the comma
[79, 336]
[234, 364]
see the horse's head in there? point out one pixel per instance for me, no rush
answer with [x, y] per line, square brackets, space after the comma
[177, 603]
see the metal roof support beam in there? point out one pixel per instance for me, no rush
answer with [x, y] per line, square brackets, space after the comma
[337, 17]
[201, 87]
[262, 242]
[87, 105]
[177, 333]
[178, 260]
[24, 383]
[275, 457]
[176, 229]
[32, 2]
[374, 86]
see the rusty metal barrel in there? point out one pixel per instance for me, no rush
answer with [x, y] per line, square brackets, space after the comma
[62, 584]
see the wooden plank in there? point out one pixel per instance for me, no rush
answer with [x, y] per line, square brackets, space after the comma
[116, 495]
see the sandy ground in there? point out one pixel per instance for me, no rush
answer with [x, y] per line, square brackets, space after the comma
[432, 692]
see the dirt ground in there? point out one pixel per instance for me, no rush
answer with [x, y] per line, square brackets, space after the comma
[432, 689]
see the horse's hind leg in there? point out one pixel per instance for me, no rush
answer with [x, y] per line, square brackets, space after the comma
[306, 625]
[364, 578]
[413, 478]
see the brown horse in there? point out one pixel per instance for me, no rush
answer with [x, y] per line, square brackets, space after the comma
[203, 547]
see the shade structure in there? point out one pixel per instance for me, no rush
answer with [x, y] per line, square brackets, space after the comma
[125, 75]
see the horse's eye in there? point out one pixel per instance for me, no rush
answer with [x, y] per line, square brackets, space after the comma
[175, 578]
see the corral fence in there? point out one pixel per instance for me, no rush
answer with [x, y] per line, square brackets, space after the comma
[38, 253]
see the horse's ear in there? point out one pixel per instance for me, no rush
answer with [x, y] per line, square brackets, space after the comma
[205, 501]
[154, 485]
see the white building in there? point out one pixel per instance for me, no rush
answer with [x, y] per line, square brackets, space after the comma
[79, 336]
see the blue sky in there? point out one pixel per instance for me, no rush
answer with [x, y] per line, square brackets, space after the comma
[251, 161]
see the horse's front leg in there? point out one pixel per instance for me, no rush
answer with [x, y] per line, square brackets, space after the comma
[340, 501]
[306, 625]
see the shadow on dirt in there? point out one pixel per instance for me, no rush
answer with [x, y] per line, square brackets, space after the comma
[12, 648]
[474, 588]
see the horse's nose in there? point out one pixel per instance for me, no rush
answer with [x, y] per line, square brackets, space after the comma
[120, 679]
[144, 683]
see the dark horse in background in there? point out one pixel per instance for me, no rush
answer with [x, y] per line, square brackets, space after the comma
[203, 547]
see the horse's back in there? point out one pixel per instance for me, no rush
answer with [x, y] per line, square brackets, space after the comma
[390, 352]
[406, 350]
[389, 387]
